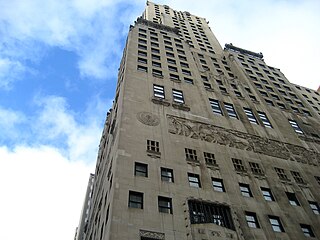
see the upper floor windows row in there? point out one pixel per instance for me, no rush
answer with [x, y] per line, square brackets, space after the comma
[177, 95]
[216, 108]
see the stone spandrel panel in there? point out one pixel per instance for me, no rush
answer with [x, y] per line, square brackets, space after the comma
[212, 232]
[152, 235]
[240, 140]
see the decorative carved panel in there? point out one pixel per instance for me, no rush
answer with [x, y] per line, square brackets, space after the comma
[152, 235]
[148, 118]
[240, 140]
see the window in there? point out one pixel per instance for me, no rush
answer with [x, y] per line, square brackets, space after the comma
[156, 57]
[209, 158]
[252, 97]
[172, 69]
[218, 185]
[171, 61]
[174, 77]
[276, 224]
[142, 60]
[281, 174]
[177, 96]
[158, 91]
[194, 180]
[281, 105]
[288, 100]
[292, 199]
[140, 46]
[250, 115]
[295, 126]
[181, 52]
[238, 165]
[153, 146]
[252, 220]
[269, 102]
[188, 80]
[191, 154]
[223, 89]
[142, 68]
[267, 194]
[154, 39]
[165, 204]
[237, 93]
[264, 119]
[183, 64]
[156, 64]
[245, 190]
[135, 199]
[307, 231]
[168, 48]
[142, 53]
[169, 54]
[182, 58]
[230, 110]
[297, 177]
[140, 169]
[155, 50]
[205, 212]
[207, 85]
[186, 72]
[275, 97]
[255, 168]
[153, 44]
[315, 207]
[167, 175]
[215, 106]
[157, 73]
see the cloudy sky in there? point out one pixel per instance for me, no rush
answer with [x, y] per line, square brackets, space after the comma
[58, 68]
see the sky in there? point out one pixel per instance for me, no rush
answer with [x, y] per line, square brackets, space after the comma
[58, 72]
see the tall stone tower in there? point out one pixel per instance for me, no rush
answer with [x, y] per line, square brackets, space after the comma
[204, 142]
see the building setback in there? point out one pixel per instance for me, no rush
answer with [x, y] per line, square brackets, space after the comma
[204, 142]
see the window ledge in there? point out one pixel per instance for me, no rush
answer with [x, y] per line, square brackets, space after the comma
[209, 89]
[287, 181]
[243, 173]
[259, 176]
[193, 162]
[176, 80]
[213, 166]
[154, 152]
[181, 106]
[153, 155]
[157, 76]
[160, 101]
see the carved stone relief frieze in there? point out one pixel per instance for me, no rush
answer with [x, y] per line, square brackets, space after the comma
[240, 140]
[152, 235]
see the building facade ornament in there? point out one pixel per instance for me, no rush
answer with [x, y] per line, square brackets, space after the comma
[148, 118]
[240, 140]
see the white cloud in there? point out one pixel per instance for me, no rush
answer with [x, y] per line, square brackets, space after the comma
[44, 184]
[77, 134]
[91, 29]
[80, 132]
[9, 119]
[9, 72]
[42, 195]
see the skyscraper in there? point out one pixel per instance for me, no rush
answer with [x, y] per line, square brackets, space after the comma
[204, 142]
